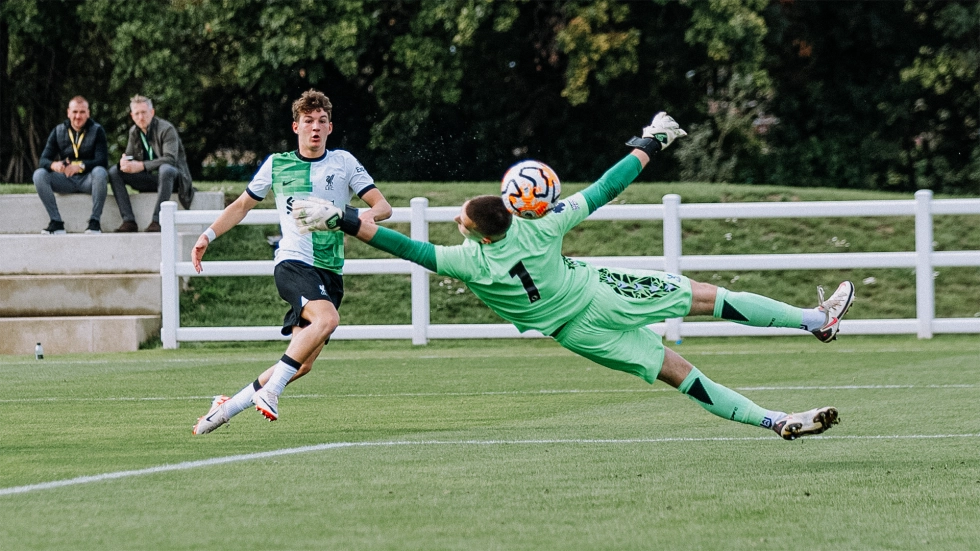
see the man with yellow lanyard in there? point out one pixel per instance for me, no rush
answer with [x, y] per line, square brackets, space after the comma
[74, 160]
[154, 161]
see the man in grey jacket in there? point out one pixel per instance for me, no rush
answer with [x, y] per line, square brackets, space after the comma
[154, 161]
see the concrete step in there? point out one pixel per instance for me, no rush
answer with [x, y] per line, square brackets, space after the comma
[80, 295]
[107, 253]
[65, 335]
[80, 254]
[23, 213]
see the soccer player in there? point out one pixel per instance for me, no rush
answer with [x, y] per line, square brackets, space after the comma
[515, 266]
[309, 268]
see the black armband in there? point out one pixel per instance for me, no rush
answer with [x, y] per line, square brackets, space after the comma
[350, 223]
[646, 145]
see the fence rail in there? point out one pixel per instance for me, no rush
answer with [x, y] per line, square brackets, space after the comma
[671, 213]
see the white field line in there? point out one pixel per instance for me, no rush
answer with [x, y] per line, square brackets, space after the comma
[490, 393]
[409, 355]
[187, 465]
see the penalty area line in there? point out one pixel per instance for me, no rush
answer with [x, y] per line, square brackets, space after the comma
[187, 465]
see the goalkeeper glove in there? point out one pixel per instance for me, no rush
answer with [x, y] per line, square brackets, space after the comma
[315, 214]
[661, 132]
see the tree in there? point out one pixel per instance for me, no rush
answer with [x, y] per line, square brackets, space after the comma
[945, 146]
[48, 56]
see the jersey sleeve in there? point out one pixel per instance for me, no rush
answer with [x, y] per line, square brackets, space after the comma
[567, 214]
[457, 261]
[613, 182]
[258, 188]
[419, 252]
[360, 181]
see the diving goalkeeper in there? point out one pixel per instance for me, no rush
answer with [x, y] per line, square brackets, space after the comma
[516, 267]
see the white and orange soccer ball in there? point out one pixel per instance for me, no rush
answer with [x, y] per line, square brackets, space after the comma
[530, 189]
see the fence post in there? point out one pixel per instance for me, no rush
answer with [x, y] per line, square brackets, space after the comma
[925, 287]
[672, 252]
[170, 311]
[420, 276]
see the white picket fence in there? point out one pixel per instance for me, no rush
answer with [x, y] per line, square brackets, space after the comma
[671, 212]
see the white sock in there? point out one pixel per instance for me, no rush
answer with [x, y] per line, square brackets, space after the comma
[813, 319]
[283, 372]
[243, 400]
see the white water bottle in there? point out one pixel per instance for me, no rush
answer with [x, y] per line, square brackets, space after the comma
[38, 352]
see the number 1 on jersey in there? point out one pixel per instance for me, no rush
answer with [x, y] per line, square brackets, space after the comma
[520, 272]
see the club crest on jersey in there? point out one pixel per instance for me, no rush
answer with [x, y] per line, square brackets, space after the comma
[323, 291]
[329, 186]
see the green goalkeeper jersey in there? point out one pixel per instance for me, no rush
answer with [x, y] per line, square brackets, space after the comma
[524, 278]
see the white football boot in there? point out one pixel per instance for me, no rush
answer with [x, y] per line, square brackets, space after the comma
[834, 308]
[215, 417]
[814, 421]
[266, 403]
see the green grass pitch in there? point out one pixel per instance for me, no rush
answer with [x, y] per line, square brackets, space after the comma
[498, 444]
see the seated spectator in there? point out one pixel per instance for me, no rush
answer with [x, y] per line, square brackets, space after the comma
[74, 160]
[154, 161]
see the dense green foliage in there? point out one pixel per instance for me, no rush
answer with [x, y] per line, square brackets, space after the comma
[493, 445]
[868, 95]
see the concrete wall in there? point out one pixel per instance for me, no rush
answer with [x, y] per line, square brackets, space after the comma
[81, 292]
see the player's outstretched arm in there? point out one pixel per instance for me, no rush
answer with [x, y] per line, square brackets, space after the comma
[318, 215]
[659, 134]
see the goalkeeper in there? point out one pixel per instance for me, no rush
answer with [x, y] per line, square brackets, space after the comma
[515, 266]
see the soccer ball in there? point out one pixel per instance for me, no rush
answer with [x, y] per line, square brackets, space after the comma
[530, 189]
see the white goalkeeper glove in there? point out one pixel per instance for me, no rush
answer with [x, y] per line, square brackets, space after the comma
[661, 132]
[315, 214]
[664, 129]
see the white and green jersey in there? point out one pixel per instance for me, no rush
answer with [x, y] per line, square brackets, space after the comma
[336, 177]
[523, 277]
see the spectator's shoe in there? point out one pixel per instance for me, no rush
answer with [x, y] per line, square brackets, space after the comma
[266, 403]
[94, 226]
[154, 227]
[128, 226]
[215, 417]
[834, 307]
[810, 422]
[54, 228]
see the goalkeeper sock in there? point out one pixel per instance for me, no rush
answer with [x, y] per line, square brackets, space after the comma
[757, 310]
[281, 374]
[243, 400]
[725, 402]
[813, 319]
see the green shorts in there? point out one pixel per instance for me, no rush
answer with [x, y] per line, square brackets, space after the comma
[612, 330]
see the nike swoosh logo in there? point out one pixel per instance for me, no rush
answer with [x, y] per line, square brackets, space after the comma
[268, 406]
[286, 183]
[208, 418]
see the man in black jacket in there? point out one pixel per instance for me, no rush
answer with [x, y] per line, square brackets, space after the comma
[74, 160]
[154, 161]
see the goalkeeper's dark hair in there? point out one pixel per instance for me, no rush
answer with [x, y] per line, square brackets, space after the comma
[489, 215]
[310, 101]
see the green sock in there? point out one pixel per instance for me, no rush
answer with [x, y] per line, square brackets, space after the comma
[725, 402]
[756, 310]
